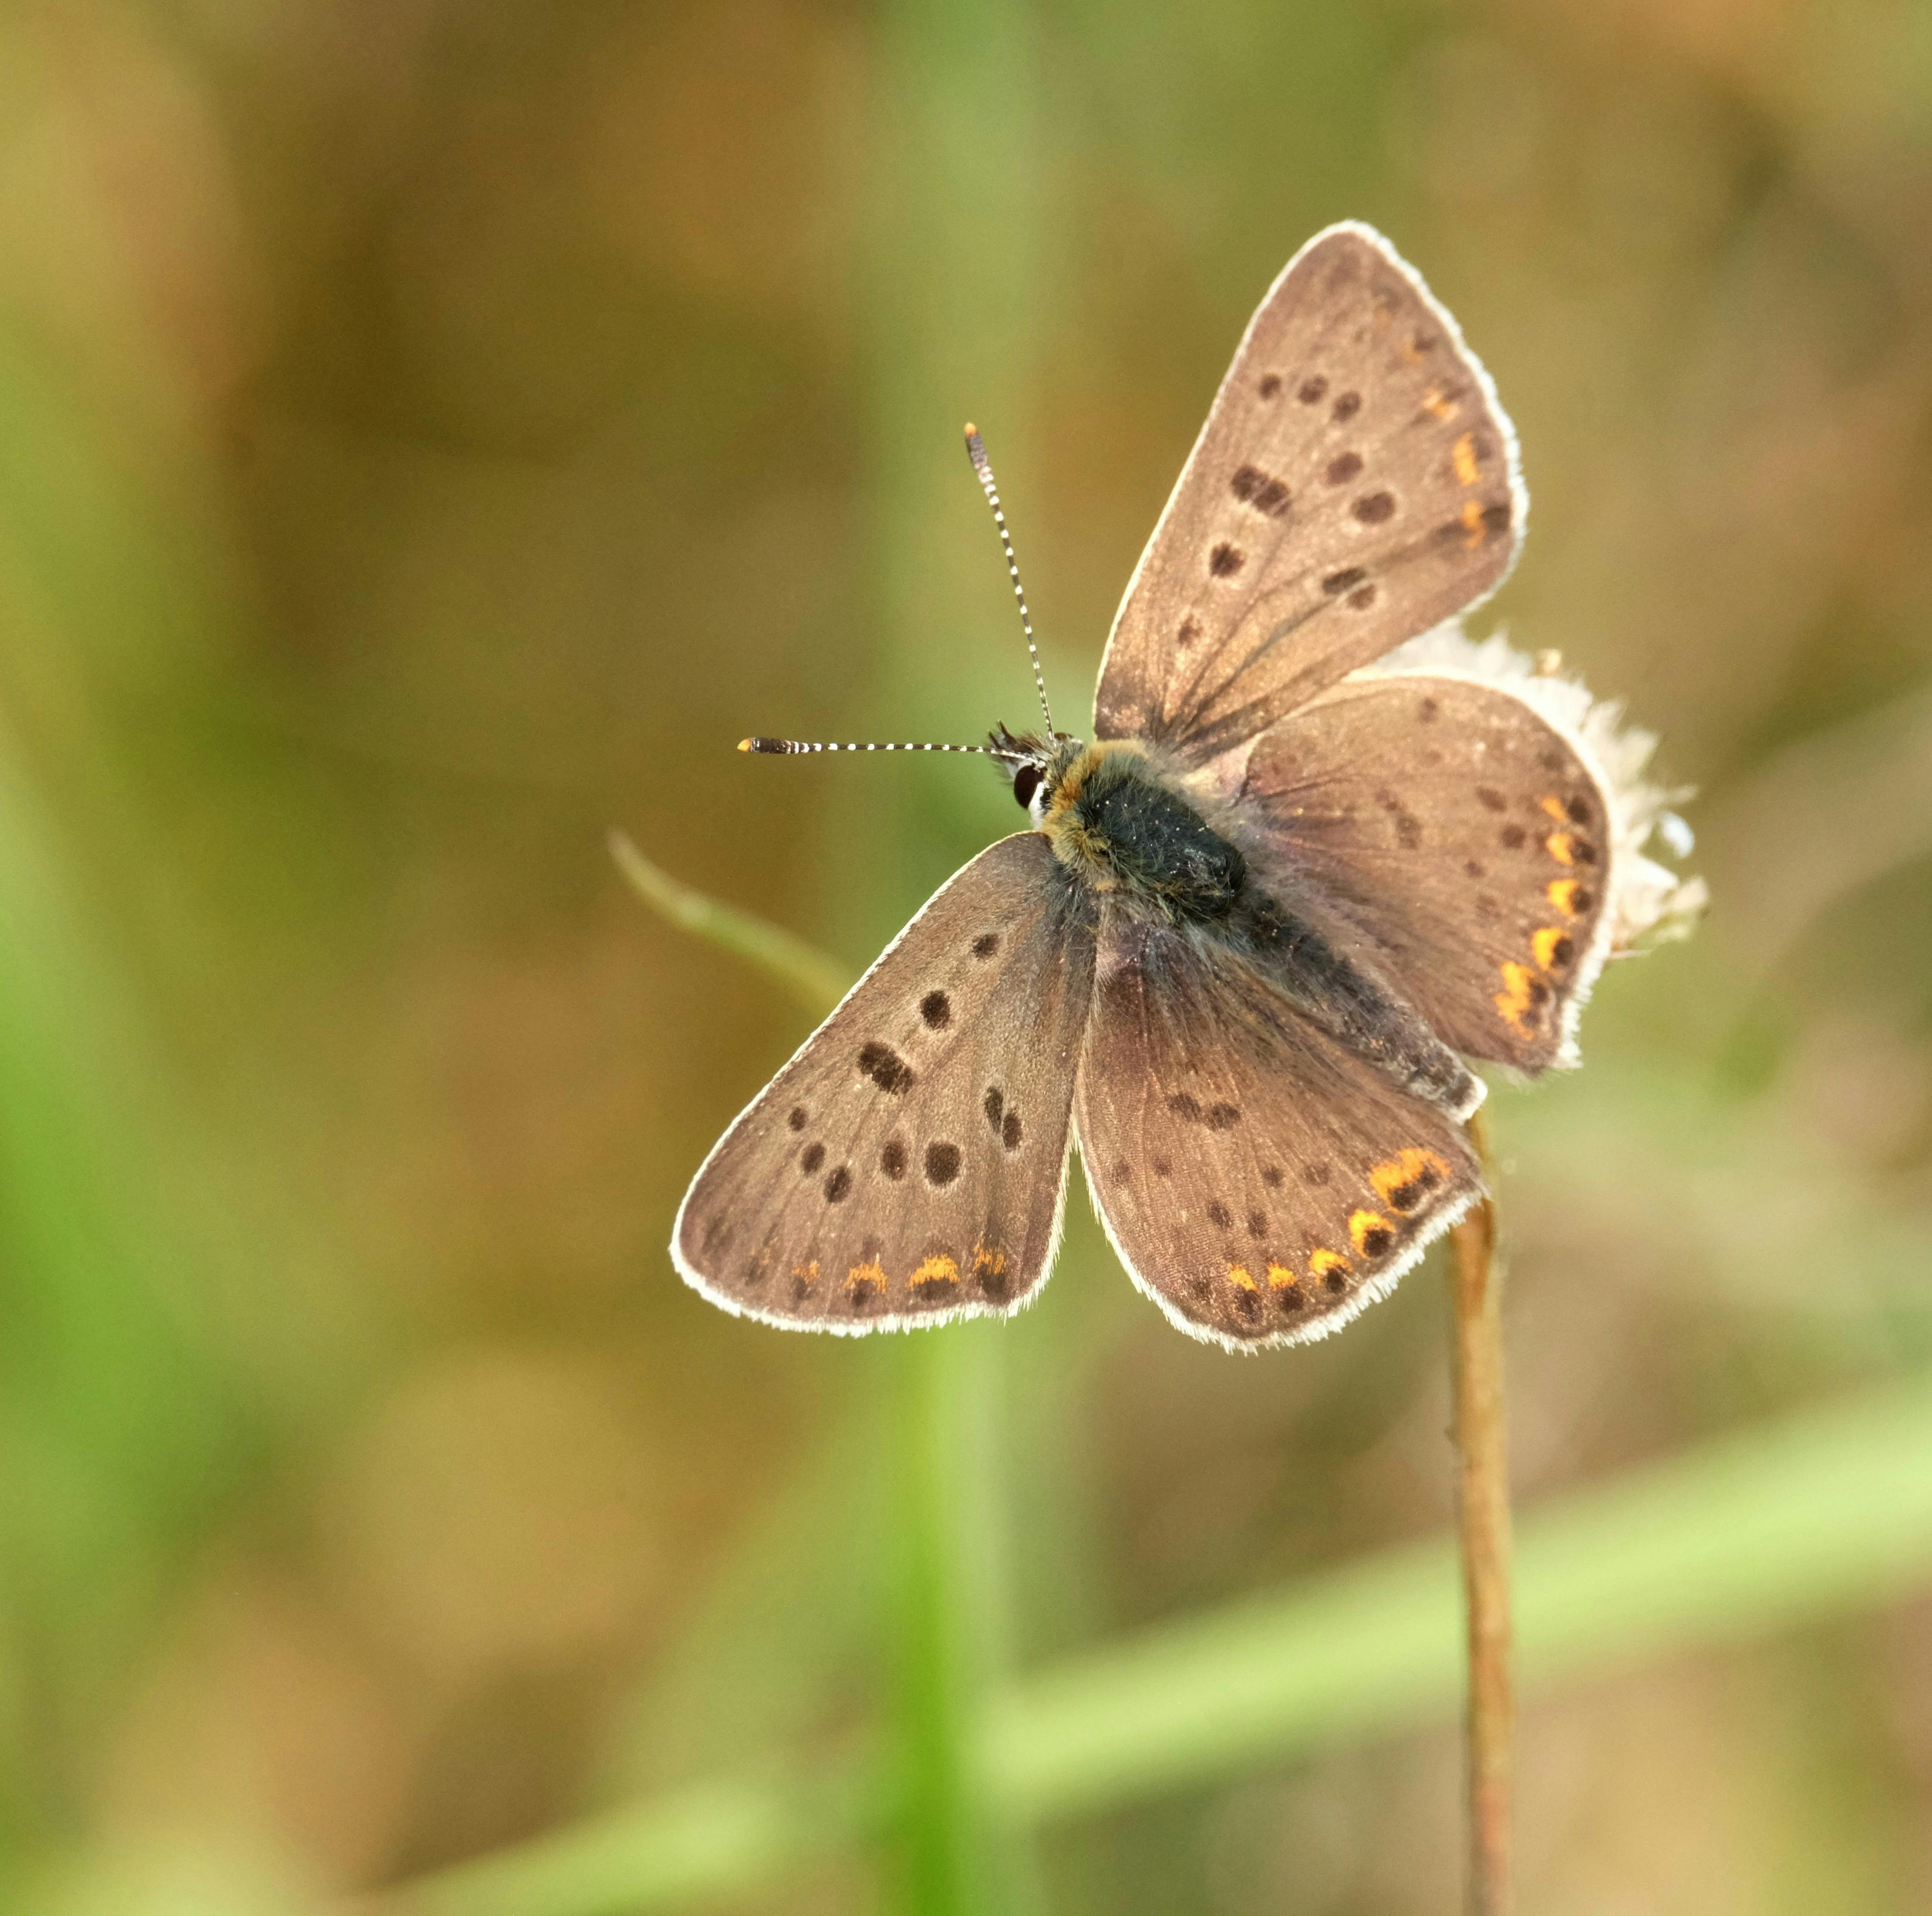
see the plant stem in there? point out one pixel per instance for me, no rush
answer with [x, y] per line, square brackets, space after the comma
[816, 982]
[1482, 1515]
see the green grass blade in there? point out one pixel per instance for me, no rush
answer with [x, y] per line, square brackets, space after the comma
[1742, 1538]
[1826, 1512]
[702, 1843]
[955, 121]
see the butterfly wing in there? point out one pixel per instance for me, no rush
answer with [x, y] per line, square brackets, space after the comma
[1356, 482]
[1261, 1183]
[908, 1165]
[1465, 834]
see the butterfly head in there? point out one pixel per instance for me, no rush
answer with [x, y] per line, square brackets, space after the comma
[1035, 762]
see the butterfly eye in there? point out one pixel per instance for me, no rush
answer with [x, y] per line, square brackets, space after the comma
[1026, 782]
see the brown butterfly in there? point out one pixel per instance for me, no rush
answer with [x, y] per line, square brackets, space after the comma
[1297, 873]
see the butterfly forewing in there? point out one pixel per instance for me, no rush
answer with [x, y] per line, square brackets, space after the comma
[908, 1163]
[1464, 836]
[1356, 482]
[1261, 1183]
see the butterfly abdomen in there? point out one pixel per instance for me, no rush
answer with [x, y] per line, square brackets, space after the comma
[1115, 818]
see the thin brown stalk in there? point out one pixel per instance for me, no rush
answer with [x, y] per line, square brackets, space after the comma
[1483, 1514]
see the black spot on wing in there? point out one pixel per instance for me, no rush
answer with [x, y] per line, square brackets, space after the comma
[1406, 1197]
[1265, 493]
[936, 1008]
[885, 1068]
[942, 1163]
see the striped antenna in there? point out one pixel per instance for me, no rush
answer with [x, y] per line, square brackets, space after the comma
[805, 745]
[976, 451]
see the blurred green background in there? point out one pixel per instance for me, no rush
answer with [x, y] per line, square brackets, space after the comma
[431, 434]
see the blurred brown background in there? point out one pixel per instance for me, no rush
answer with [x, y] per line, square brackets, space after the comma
[431, 434]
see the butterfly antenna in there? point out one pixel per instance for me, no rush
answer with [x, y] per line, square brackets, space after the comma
[806, 744]
[976, 451]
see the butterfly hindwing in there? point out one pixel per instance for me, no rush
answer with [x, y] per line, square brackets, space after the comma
[1464, 836]
[908, 1163]
[1356, 482]
[1259, 1181]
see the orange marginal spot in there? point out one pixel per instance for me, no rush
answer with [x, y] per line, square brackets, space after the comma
[1563, 895]
[1280, 1276]
[1514, 1001]
[1464, 455]
[1435, 406]
[1553, 947]
[865, 1273]
[1555, 808]
[938, 1269]
[989, 1261]
[1561, 847]
[1364, 1224]
[1237, 1276]
[1404, 1169]
[806, 1274]
[1472, 521]
[1322, 1264]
